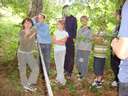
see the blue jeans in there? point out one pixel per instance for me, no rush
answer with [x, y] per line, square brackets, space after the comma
[123, 78]
[123, 71]
[82, 58]
[123, 89]
[45, 48]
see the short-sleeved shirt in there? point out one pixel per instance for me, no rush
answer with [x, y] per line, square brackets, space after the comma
[123, 32]
[43, 32]
[84, 37]
[60, 35]
[26, 43]
[100, 45]
[100, 51]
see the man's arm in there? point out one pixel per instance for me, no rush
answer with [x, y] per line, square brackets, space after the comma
[120, 47]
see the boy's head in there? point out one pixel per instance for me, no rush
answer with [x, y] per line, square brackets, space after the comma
[41, 17]
[84, 20]
[118, 15]
[60, 24]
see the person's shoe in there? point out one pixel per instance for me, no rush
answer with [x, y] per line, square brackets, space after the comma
[97, 84]
[63, 83]
[25, 90]
[68, 77]
[65, 73]
[102, 81]
[30, 88]
[60, 83]
[80, 78]
[114, 84]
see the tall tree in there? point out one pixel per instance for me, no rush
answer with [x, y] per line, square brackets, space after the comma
[35, 7]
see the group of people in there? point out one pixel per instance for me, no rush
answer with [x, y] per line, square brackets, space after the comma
[34, 29]
[66, 43]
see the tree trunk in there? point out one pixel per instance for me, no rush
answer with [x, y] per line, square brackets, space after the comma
[35, 7]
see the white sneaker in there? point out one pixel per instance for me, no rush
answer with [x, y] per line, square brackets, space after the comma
[61, 82]
[29, 88]
[114, 84]
[102, 81]
[80, 78]
[96, 84]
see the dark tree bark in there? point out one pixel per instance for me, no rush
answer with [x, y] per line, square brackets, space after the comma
[35, 7]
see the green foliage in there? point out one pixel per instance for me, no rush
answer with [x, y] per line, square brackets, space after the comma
[8, 39]
[19, 7]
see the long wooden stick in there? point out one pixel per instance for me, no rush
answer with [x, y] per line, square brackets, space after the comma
[50, 93]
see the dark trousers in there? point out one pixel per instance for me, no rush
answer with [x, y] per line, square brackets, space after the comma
[115, 62]
[98, 66]
[69, 58]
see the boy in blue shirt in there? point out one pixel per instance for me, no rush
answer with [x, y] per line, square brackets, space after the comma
[43, 38]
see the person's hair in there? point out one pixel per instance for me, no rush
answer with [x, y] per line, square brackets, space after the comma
[84, 17]
[122, 4]
[65, 6]
[43, 15]
[27, 19]
[118, 12]
[62, 22]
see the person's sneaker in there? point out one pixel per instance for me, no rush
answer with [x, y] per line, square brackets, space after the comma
[102, 81]
[60, 83]
[114, 84]
[68, 77]
[30, 88]
[80, 78]
[66, 73]
[78, 75]
[25, 90]
[63, 83]
[97, 84]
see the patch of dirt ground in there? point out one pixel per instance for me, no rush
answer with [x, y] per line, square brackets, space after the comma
[73, 87]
